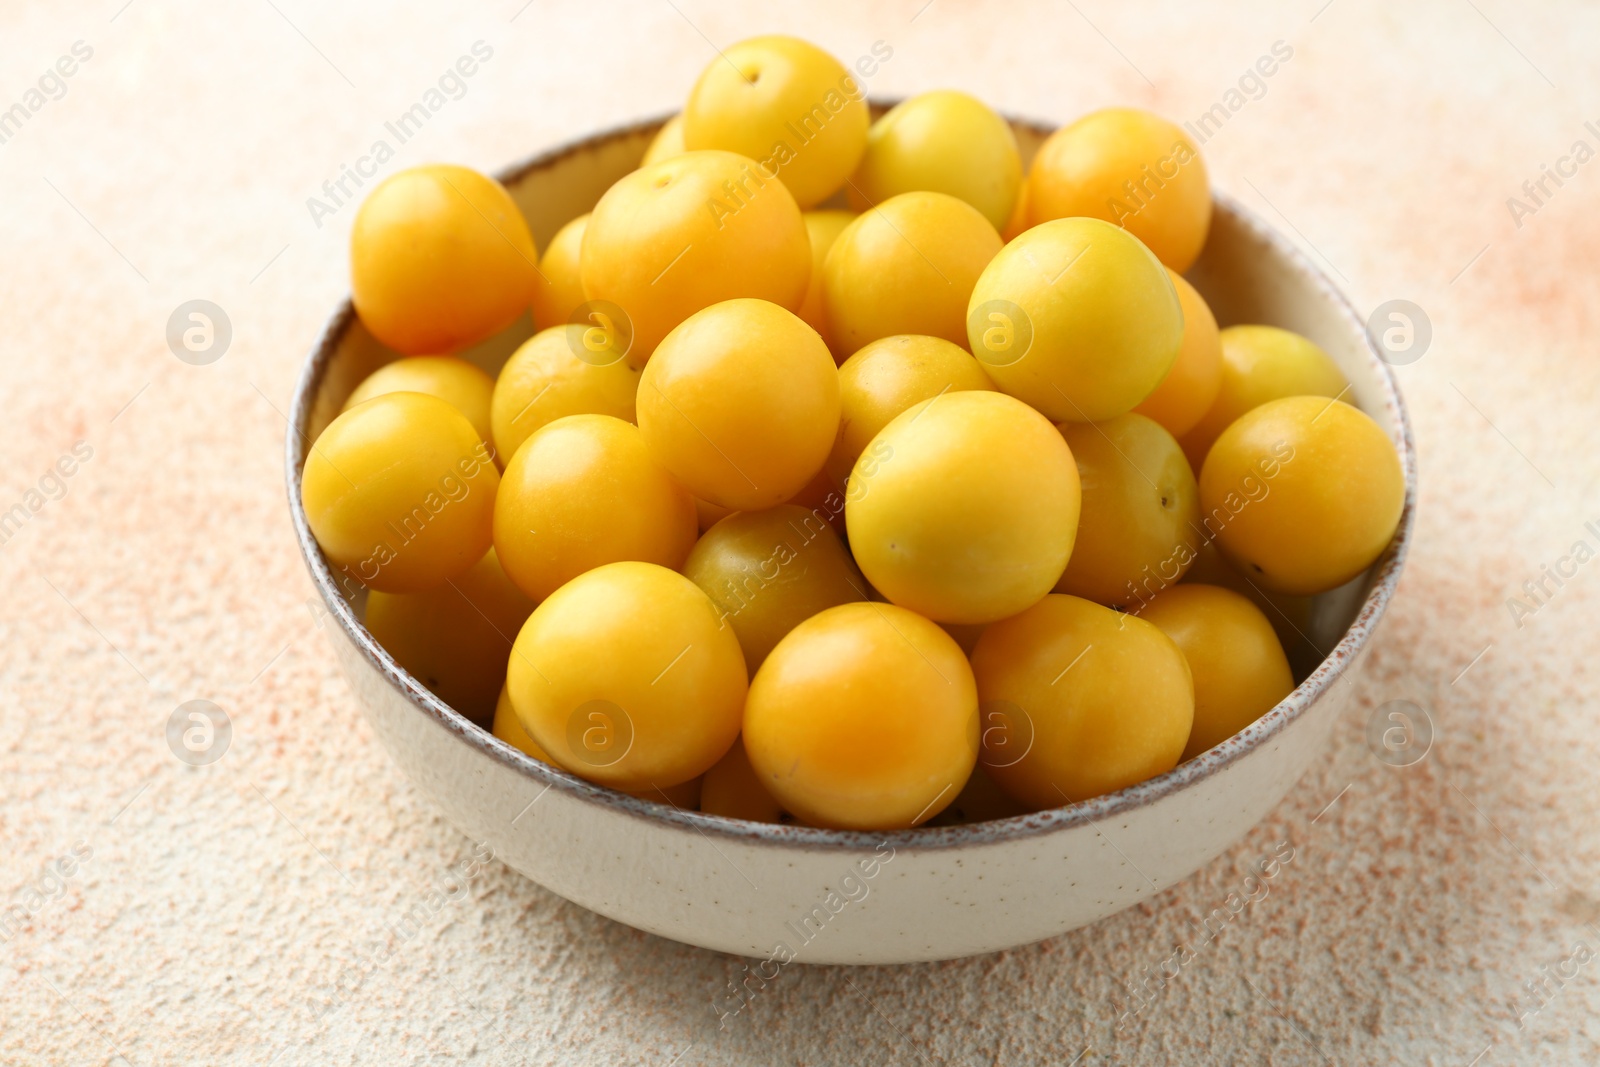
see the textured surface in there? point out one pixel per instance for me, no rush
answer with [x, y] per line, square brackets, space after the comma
[235, 913]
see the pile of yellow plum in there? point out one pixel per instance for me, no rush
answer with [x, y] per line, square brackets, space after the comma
[850, 476]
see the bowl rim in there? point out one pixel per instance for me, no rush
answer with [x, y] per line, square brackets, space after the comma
[791, 836]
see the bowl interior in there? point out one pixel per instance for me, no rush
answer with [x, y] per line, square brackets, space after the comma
[1246, 274]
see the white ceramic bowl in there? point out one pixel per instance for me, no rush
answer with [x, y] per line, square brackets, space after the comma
[824, 896]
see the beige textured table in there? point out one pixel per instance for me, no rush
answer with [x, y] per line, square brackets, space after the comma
[226, 914]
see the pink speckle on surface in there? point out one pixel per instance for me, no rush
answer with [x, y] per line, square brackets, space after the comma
[253, 910]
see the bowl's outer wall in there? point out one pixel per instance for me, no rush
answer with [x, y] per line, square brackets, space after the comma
[749, 896]
[826, 897]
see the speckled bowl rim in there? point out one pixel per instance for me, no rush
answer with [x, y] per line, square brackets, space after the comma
[1262, 731]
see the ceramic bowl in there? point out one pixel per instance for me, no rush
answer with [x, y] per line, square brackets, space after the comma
[820, 896]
